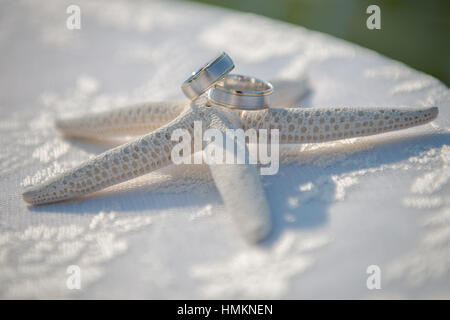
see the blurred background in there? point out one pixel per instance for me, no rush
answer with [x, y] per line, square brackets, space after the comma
[416, 32]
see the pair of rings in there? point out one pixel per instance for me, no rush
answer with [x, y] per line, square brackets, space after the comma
[228, 90]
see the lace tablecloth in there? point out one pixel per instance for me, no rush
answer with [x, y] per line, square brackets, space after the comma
[337, 208]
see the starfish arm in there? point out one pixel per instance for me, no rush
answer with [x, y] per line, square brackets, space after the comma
[239, 185]
[243, 196]
[133, 159]
[134, 119]
[305, 125]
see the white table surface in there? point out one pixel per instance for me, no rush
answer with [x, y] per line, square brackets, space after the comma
[336, 207]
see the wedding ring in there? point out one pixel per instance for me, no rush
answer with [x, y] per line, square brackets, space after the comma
[200, 81]
[241, 92]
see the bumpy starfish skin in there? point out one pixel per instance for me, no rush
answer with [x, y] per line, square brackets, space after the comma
[131, 120]
[296, 125]
[143, 155]
[153, 150]
[326, 124]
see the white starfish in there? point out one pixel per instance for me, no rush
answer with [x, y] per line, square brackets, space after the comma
[238, 185]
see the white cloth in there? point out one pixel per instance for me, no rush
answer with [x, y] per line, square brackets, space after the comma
[337, 207]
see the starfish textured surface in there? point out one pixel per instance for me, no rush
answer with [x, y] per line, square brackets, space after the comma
[326, 124]
[153, 150]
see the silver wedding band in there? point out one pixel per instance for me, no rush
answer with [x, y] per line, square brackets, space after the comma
[241, 92]
[199, 82]
[231, 91]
